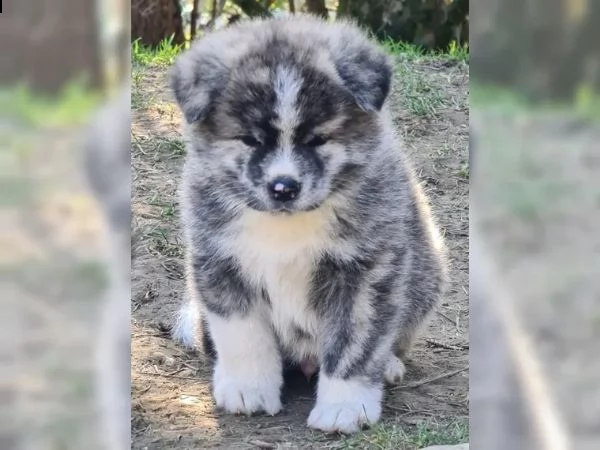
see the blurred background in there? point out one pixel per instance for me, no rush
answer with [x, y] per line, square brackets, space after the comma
[432, 24]
[535, 203]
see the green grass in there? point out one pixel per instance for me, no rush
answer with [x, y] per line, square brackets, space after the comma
[160, 148]
[144, 58]
[160, 242]
[411, 52]
[464, 171]
[137, 80]
[396, 437]
[457, 52]
[162, 56]
[418, 96]
[167, 208]
[166, 52]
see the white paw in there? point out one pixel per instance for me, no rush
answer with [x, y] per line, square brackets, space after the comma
[394, 370]
[348, 417]
[345, 406]
[246, 395]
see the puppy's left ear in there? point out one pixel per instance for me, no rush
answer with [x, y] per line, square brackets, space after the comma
[196, 80]
[365, 70]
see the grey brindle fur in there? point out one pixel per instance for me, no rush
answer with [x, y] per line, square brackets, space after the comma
[341, 274]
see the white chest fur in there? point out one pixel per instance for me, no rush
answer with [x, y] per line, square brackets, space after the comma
[278, 253]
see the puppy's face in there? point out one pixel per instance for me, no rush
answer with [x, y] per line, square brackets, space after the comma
[283, 131]
[285, 135]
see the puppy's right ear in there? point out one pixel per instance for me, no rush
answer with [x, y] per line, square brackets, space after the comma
[196, 79]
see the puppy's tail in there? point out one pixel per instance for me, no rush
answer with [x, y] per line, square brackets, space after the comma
[186, 328]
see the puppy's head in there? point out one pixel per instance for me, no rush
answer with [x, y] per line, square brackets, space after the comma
[283, 113]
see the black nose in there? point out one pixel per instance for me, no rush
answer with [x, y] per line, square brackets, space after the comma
[284, 189]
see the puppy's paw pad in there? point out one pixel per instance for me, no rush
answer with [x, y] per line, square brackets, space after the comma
[247, 397]
[394, 370]
[348, 417]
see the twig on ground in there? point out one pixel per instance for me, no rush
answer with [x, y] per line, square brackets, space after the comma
[431, 380]
[446, 317]
[176, 371]
[166, 375]
[447, 346]
[189, 366]
[263, 444]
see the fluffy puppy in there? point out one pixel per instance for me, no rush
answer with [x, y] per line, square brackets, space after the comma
[307, 237]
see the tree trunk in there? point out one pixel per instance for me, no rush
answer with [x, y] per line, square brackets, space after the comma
[152, 21]
[317, 7]
[213, 14]
[194, 20]
[252, 8]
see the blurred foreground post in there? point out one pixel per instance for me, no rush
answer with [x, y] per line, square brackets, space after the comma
[510, 404]
[544, 50]
[42, 46]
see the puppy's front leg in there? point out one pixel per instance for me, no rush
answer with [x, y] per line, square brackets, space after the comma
[356, 339]
[248, 372]
[248, 375]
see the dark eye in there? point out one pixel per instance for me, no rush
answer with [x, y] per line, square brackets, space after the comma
[316, 141]
[249, 141]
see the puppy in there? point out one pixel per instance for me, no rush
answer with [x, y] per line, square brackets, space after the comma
[308, 239]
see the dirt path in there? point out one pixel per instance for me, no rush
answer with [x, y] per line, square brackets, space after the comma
[171, 402]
